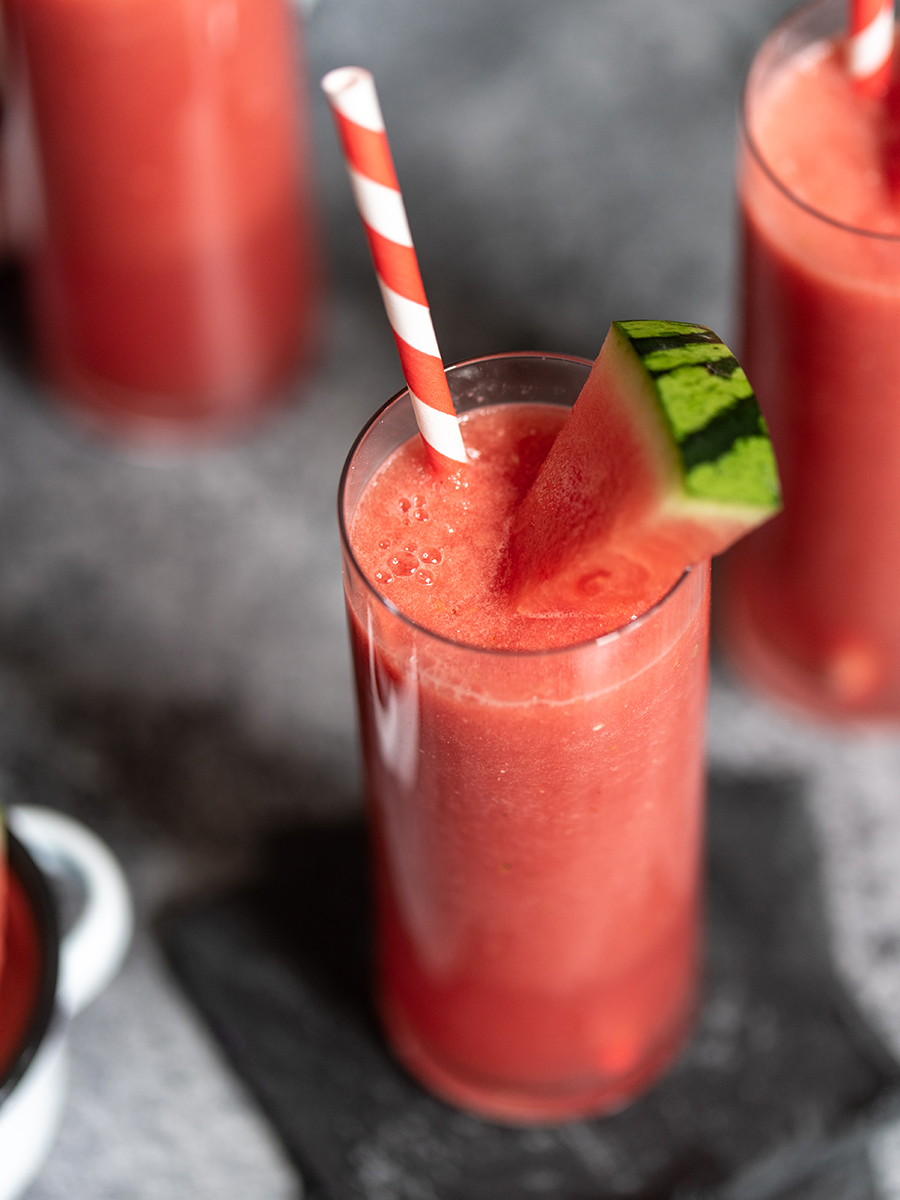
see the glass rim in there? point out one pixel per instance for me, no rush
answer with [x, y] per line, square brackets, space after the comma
[611, 636]
[835, 222]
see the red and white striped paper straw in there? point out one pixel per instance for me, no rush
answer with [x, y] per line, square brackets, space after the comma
[870, 44]
[357, 113]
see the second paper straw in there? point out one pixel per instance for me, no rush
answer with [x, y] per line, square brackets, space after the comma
[354, 103]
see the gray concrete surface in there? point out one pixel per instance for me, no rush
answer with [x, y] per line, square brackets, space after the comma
[171, 633]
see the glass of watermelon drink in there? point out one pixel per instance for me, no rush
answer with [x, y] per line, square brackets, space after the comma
[535, 786]
[158, 195]
[811, 610]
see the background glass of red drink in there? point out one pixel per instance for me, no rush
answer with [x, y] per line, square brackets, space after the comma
[810, 600]
[157, 192]
[536, 825]
[50, 975]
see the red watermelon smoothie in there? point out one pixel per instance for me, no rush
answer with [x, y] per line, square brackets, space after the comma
[811, 607]
[157, 193]
[535, 785]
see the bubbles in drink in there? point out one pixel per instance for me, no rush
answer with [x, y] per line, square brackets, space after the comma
[431, 561]
[403, 563]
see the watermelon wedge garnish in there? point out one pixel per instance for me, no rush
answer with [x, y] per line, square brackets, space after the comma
[665, 460]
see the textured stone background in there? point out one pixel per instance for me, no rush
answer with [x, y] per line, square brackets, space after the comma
[172, 654]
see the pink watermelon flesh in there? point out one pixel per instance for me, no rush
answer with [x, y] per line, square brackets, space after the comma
[590, 534]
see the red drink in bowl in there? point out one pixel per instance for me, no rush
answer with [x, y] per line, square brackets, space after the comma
[535, 785]
[20, 981]
[811, 610]
[157, 194]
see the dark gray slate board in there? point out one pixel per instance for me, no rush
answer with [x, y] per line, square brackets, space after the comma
[773, 1097]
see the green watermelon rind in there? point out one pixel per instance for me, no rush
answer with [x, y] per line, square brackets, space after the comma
[665, 460]
[710, 436]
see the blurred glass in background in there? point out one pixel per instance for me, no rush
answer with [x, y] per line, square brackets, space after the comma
[157, 193]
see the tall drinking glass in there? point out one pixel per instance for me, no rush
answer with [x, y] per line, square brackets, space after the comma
[158, 196]
[811, 610]
[536, 823]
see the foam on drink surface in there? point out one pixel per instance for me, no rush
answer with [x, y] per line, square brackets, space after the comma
[436, 547]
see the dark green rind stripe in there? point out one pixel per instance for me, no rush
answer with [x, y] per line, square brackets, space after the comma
[664, 361]
[693, 396]
[726, 367]
[741, 419]
[649, 345]
[651, 337]
[636, 330]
